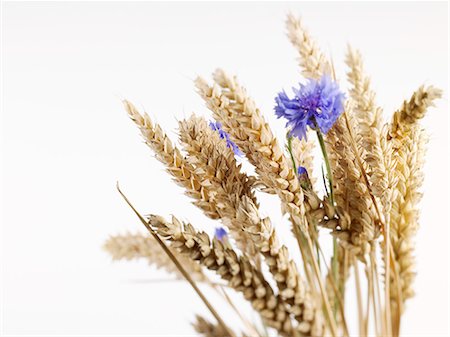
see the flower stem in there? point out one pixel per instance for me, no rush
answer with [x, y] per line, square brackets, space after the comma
[289, 148]
[335, 266]
[294, 165]
[327, 165]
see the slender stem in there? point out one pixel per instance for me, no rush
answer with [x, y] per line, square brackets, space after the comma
[325, 299]
[289, 147]
[335, 265]
[223, 293]
[345, 273]
[327, 164]
[399, 296]
[370, 298]
[301, 241]
[323, 148]
[376, 282]
[298, 234]
[337, 293]
[359, 298]
[387, 313]
[332, 319]
[179, 266]
[387, 279]
[316, 243]
[301, 238]
[294, 165]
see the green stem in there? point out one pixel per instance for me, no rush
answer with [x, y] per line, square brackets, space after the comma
[299, 235]
[323, 148]
[327, 165]
[289, 147]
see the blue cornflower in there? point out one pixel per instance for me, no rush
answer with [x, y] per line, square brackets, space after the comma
[220, 233]
[217, 126]
[316, 104]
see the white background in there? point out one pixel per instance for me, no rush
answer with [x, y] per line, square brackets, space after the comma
[66, 141]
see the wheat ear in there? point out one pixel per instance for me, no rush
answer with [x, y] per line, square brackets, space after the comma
[140, 246]
[405, 214]
[361, 92]
[357, 225]
[301, 302]
[236, 270]
[408, 145]
[311, 59]
[377, 153]
[176, 165]
[216, 166]
[302, 150]
[407, 141]
[413, 110]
